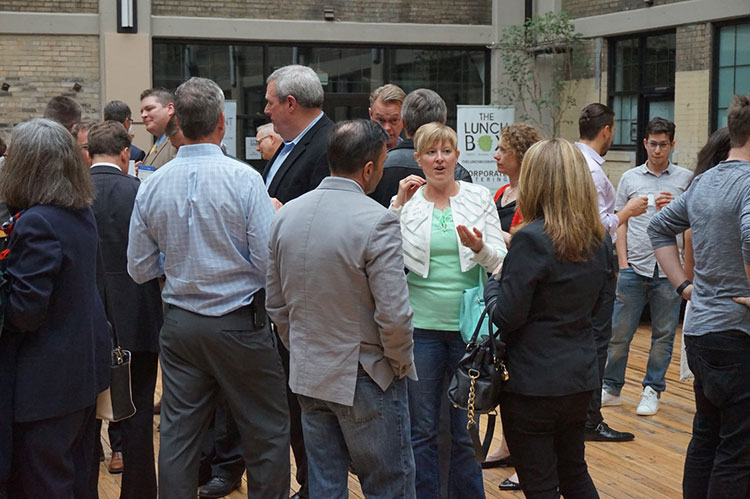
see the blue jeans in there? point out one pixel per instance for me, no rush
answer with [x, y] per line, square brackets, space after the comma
[435, 354]
[633, 291]
[373, 434]
[717, 464]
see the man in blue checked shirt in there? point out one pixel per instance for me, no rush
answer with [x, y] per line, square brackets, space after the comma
[203, 220]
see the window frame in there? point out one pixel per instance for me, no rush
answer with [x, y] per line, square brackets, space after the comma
[715, 54]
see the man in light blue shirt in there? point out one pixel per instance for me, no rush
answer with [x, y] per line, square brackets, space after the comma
[203, 221]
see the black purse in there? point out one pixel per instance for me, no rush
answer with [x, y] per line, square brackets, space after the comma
[479, 378]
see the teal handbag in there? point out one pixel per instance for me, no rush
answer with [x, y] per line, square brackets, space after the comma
[472, 306]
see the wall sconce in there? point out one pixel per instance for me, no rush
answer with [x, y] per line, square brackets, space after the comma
[329, 14]
[5, 87]
[127, 16]
[77, 87]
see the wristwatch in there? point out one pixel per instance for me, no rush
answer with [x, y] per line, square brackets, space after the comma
[682, 286]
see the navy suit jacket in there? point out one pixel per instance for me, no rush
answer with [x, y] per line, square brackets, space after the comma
[305, 166]
[135, 310]
[137, 154]
[55, 314]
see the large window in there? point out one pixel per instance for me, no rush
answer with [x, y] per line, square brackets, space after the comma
[641, 86]
[732, 73]
[348, 74]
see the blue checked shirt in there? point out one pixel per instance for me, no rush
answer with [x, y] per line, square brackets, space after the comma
[202, 220]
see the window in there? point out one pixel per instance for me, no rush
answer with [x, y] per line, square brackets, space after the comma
[733, 68]
[641, 86]
[348, 74]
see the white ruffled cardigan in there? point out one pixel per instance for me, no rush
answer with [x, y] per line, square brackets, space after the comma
[473, 207]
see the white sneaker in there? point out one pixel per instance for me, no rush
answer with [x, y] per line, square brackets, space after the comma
[649, 402]
[609, 400]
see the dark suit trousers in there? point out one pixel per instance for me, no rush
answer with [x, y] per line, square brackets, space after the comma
[222, 455]
[602, 325]
[295, 423]
[54, 457]
[202, 357]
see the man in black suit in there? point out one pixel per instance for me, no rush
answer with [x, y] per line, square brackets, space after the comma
[420, 107]
[294, 102]
[134, 310]
[118, 111]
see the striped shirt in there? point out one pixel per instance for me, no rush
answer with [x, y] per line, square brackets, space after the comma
[203, 221]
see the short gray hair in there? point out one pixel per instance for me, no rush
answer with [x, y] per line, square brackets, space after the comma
[266, 129]
[45, 166]
[198, 105]
[301, 82]
[423, 106]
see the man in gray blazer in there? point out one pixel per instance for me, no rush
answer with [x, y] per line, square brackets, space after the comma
[336, 289]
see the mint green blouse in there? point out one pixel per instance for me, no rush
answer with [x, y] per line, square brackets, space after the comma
[436, 300]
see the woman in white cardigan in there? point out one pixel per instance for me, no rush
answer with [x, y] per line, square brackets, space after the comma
[451, 238]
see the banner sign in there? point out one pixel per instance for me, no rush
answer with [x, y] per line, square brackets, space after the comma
[478, 135]
[230, 136]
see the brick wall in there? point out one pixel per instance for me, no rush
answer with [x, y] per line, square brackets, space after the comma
[693, 47]
[394, 11]
[41, 67]
[71, 6]
[585, 8]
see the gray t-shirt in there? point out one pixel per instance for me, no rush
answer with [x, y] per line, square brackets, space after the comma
[637, 182]
[717, 208]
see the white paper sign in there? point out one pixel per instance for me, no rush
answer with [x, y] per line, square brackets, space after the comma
[478, 135]
[230, 136]
[250, 144]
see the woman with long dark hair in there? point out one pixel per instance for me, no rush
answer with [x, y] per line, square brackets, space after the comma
[54, 319]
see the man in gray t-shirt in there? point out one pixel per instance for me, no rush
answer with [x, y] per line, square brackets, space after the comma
[717, 330]
[640, 279]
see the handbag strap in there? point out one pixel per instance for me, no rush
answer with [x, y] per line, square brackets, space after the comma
[107, 304]
[481, 447]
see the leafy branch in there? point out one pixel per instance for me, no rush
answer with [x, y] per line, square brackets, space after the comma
[546, 42]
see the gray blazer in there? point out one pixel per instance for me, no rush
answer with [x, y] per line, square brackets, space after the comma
[336, 289]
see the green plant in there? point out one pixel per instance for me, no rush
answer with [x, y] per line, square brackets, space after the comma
[544, 61]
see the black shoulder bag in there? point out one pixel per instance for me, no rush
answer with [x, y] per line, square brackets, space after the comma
[479, 379]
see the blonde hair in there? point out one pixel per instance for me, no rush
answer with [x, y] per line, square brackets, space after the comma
[432, 133]
[556, 185]
[387, 93]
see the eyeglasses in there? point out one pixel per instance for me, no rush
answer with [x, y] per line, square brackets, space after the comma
[651, 146]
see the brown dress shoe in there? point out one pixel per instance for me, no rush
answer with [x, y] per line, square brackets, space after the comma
[115, 464]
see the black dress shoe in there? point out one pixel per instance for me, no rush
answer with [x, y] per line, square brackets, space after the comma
[218, 487]
[603, 433]
[509, 484]
[299, 495]
[505, 462]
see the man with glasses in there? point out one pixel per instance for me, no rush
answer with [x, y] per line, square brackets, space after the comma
[641, 279]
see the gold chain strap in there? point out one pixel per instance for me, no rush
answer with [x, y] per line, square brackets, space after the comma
[473, 374]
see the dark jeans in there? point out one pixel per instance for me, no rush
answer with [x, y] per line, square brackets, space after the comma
[201, 357]
[601, 323]
[435, 353]
[717, 464]
[545, 438]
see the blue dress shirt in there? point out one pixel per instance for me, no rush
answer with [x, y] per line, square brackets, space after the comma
[286, 149]
[203, 221]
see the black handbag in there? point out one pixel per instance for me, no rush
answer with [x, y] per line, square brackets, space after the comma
[116, 402]
[479, 378]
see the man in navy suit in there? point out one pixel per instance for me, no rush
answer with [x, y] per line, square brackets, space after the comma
[294, 102]
[134, 310]
[117, 110]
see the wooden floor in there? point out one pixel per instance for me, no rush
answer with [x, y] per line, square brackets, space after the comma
[649, 467]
